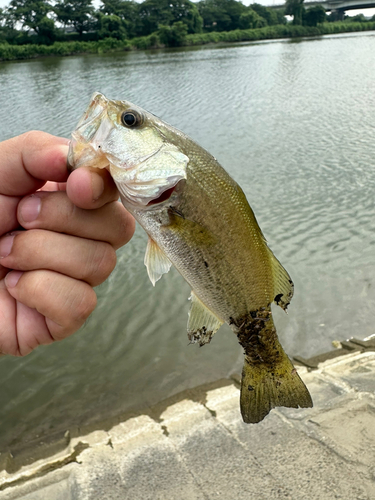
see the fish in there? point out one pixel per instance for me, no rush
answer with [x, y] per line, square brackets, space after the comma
[198, 219]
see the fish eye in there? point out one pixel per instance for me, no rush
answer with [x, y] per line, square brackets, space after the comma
[131, 118]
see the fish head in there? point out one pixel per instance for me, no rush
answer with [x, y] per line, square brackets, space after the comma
[136, 147]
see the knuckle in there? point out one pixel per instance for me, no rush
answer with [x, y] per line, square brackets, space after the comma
[127, 228]
[36, 137]
[57, 211]
[107, 262]
[100, 263]
[26, 245]
[67, 210]
[31, 136]
[32, 239]
[85, 305]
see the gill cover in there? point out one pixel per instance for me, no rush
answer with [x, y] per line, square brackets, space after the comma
[149, 179]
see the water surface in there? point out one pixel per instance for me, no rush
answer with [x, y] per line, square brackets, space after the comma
[293, 123]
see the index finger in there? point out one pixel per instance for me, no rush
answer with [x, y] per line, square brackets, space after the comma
[31, 159]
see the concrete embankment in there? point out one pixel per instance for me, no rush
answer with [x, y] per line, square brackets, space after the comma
[201, 450]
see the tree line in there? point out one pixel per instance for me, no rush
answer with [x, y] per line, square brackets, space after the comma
[47, 21]
[125, 19]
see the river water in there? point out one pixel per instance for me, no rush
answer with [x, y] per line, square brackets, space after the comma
[293, 123]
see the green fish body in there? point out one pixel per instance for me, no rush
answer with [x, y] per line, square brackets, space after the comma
[198, 219]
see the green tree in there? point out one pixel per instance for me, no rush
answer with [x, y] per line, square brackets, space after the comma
[280, 14]
[359, 18]
[154, 13]
[46, 30]
[296, 9]
[221, 15]
[111, 26]
[30, 13]
[8, 33]
[76, 13]
[251, 19]
[126, 10]
[173, 36]
[314, 15]
[270, 15]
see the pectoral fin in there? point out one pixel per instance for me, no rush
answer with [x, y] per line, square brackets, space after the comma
[202, 323]
[156, 261]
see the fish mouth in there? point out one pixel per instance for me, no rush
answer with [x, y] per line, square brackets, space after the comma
[84, 147]
[84, 154]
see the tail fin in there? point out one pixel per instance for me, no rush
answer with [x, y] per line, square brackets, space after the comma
[263, 388]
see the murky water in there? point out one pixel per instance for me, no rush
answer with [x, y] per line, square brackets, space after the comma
[293, 123]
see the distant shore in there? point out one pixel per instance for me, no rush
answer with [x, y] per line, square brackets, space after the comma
[18, 52]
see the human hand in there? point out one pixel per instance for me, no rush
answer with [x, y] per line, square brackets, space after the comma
[56, 244]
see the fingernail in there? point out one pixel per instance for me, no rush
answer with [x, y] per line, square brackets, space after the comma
[30, 208]
[11, 279]
[64, 140]
[6, 244]
[97, 186]
[64, 148]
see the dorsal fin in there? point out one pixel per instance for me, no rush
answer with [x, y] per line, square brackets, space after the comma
[283, 287]
[202, 323]
[156, 261]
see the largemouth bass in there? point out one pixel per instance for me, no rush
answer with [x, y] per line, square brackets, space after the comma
[198, 219]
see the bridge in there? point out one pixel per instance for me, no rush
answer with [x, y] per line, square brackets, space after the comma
[329, 5]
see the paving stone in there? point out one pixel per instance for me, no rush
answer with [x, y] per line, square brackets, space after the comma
[357, 371]
[181, 419]
[223, 468]
[136, 431]
[57, 491]
[348, 428]
[159, 473]
[303, 467]
[204, 452]
[57, 485]
[204, 446]
[98, 476]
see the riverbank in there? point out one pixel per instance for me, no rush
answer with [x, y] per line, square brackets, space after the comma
[18, 52]
[197, 447]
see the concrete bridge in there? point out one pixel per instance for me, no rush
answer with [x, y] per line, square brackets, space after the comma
[330, 5]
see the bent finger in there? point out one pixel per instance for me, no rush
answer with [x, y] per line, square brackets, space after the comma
[8, 211]
[65, 302]
[31, 329]
[22, 329]
[80, 258]
[55, 212]
[91, 188]
[31, 159]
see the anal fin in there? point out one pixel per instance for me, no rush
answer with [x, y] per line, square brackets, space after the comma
[202, 323]
[156, 261]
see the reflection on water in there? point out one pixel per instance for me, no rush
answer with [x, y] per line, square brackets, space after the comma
[293, 124]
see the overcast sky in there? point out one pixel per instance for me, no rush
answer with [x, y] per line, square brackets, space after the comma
[366, 12]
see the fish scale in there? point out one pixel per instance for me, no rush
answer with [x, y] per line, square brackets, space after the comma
[199, 220]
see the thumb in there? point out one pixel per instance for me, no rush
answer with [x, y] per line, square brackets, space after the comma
[29, 160]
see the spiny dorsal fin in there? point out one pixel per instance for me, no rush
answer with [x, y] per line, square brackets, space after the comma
[202, 323]
[156, 261]
[283, 287]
